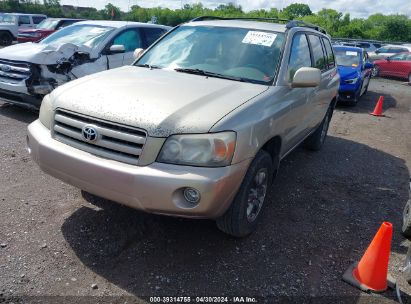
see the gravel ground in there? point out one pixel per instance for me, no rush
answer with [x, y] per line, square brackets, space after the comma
[322, 212]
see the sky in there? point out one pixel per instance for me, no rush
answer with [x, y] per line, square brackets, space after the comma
[356, 8]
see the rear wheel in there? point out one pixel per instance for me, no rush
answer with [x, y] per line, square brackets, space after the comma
[242, 216]
[316, 140]
[409, 78]
[5, 39]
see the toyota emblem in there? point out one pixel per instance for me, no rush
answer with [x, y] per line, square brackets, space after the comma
[89, 133]
[5, 68]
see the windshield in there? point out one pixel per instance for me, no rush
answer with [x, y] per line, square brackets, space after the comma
[8, 18]
[47, 24]
[347, 58]
[248, 55]
[88, 35]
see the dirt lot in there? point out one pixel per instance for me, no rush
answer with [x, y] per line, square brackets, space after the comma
[323, 210]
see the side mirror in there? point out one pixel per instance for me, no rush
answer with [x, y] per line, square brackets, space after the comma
[117, 49]
[368, 65]
[306, 78]
[137, 53]
[388, 59]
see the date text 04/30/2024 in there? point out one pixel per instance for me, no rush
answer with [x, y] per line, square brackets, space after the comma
[203, 300]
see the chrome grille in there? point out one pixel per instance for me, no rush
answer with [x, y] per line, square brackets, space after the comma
[112, 141]
[14, 71]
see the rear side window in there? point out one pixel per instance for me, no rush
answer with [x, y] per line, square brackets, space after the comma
[318, 54]
[37, 19]
[24, 20]
[299, 55]
[330, 54]
[152, 34]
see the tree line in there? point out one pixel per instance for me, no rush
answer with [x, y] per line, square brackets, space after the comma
[375, 27]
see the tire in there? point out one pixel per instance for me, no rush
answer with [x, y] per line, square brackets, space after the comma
[242, 216]
[316, 140]
[409, 79]
[375, 71]
[5, 39]
[407, 267]
[406, 220]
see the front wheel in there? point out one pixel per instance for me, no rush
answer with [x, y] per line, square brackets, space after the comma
[241, 217]
[375, 71]
[5, 39]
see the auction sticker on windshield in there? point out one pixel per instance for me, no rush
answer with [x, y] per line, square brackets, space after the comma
[259, 38]
[350, 53]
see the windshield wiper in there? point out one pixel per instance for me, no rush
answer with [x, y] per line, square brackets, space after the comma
[149, 66]
[210, 74]
[216, 75]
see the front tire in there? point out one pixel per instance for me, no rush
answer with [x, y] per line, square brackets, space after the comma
[316, 140]
[242, 216]
[375, 71]
[5, 39]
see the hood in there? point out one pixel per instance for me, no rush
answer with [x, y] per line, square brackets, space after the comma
[41, 53]
[162, 102]
[348, 72]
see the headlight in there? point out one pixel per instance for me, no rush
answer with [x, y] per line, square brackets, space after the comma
[203, 150]
[46, 112]
[351, 81]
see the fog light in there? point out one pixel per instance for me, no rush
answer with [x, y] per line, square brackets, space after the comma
[192, 195]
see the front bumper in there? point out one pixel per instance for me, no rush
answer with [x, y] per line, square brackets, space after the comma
[348, 92]
[18, 94]
[156, 188]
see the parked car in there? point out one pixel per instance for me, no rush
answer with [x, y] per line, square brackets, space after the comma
[29, 71]
[388, 50]
[355, 71]
[197, 126]
[368, 46]
[44, 29]
[11, 23]
[398, 65]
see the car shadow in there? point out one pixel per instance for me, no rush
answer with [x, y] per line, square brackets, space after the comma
[322, 212]
[368, 102]
[18, 113]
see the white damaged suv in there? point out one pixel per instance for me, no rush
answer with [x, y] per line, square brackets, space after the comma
[198, 125]
[29, 71]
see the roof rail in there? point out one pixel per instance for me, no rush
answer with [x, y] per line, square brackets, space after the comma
[204, 18]
[290, 23]
[300, 23]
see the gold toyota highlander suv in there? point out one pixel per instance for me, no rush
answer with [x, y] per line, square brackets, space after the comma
[198, 125]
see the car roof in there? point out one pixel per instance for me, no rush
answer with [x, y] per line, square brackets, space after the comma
[348, 48]
[21, 14]
[120, 24]
[256, 25]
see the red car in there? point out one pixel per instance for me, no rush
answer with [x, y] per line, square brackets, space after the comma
[43, 29]
[398, 65]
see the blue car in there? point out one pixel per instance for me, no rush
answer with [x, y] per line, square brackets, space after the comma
[355, 72]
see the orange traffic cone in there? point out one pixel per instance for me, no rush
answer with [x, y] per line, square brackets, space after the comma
[378, 107]
[370, 274]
